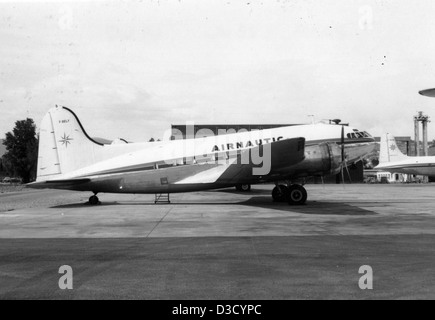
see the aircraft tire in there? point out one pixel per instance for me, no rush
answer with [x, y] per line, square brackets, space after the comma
[297, 195]
[93, 200]
[243, 187]
[280, 193]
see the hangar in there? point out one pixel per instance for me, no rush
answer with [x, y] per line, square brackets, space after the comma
[201, 130]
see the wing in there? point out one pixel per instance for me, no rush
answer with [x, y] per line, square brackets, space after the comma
[251, 163]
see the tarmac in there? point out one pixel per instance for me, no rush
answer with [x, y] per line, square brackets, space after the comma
[220, 244]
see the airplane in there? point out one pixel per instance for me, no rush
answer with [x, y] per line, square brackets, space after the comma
[391, 159]
[70, 159]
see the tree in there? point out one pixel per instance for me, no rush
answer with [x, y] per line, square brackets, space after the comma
[21, 156]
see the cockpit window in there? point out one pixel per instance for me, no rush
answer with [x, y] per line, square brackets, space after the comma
[367, 134]
[358, 134]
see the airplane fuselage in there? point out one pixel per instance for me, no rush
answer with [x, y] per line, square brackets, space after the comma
[181, 165]
[412, 165]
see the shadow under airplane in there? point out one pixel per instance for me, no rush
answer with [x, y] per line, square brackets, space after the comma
[313, 207]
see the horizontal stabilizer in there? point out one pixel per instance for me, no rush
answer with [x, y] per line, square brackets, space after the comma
[57, 183]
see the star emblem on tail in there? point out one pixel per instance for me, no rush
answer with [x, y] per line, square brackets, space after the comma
[65, 140]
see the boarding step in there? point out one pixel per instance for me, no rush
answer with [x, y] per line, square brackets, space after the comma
[162, 198]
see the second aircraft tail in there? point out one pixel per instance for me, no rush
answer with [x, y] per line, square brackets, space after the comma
[389, 150]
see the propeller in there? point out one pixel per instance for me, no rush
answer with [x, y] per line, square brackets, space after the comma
[343, 158]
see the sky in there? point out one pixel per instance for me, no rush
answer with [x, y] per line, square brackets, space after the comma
[130, 69]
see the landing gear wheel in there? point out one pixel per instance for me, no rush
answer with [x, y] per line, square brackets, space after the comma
[297, 195]
[246, 187]
[280, 193]
[93, 200]
[243, 187]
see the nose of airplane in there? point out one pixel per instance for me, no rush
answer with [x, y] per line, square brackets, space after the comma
[356, 151]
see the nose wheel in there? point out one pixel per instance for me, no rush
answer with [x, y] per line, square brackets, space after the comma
[93, 200]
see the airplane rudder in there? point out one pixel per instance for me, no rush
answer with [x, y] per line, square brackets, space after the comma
[390, 151]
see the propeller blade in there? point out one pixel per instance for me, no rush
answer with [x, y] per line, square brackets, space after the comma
[342, 143]
[342, 176]
[348, 173]
[342, 155]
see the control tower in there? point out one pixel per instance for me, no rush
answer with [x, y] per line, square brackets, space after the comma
[424, 119]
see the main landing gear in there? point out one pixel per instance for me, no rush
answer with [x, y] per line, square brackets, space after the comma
[93, 200]
[243, 187]
[294, 194]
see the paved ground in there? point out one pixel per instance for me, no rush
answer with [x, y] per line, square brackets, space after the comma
[221, 244]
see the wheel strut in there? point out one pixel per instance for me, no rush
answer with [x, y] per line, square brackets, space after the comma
[93, 200]
[280, 193]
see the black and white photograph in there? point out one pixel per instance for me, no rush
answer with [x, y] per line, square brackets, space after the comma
[217, 155]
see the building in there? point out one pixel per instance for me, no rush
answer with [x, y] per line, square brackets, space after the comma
[205, 130]
[378, 176]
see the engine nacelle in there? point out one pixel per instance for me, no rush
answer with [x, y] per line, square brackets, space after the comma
[321, 159]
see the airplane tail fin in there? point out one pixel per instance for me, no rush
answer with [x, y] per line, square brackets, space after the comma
[389, 150]
[64, 146]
